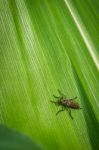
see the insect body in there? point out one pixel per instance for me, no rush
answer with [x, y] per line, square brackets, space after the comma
[67, 104]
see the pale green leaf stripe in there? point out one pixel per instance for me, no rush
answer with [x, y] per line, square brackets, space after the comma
[45, 46]
[85, 35]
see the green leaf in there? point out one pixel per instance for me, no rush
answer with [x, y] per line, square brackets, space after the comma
[10, 139]
[45, 46]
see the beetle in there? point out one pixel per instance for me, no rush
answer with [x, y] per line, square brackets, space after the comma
[67, 104]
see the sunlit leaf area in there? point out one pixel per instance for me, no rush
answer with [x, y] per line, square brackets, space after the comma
[47, 46]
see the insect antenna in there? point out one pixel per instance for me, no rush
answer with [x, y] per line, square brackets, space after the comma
[53, 102]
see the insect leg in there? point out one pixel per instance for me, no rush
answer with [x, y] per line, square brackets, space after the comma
[64, 96]
[56, 96]
[73, 98]
[69, 111]
[60, 111]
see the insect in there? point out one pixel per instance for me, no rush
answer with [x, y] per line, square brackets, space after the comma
[67, 104]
